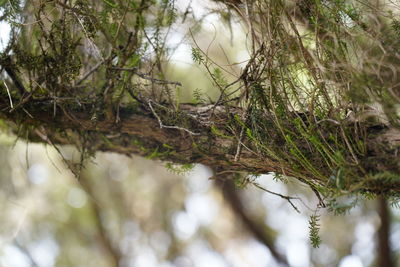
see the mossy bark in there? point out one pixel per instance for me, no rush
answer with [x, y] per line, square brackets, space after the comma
[140, 132]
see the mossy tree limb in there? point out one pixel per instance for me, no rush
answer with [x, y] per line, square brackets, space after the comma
[318, 99]
[139, 132]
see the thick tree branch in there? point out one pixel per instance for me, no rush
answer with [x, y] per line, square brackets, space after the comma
[286, 126]
[139, 132]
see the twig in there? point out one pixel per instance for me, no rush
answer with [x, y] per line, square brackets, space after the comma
[260, 231]
[166, 126]
[90, 72]
[9, 95]
[288, 198]
[73, 9]
[102, 230]
[239, 145]
[221, 88]
[146, 76]
[30, 115]
[27, 253]
[353, 154]
[321, 201]
[95, 48]
[22, 102]
[20, 23]
[132, 94]
[330, 120]
[6, 64]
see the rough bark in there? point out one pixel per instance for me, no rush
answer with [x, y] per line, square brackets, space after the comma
[140, 132]
[284, 127]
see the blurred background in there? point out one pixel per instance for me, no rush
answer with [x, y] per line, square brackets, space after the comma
[135, 212]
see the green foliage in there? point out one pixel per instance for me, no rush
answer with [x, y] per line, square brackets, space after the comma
[197, 56]
[337, 179]
[280, 178]
[110, 3]
[3, 3]
[183, 169]
[304, 103]
[242, 181]
[341, 206]
[314, 230]
[394, 201]
[385, 177]
[11, 9]
[198, 97]
[396, 26]
[219, 77]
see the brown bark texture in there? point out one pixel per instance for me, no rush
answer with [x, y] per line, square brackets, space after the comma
[315, 111]
[141, 132]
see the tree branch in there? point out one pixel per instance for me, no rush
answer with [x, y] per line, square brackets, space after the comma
[384, 250]
[103, 234]
[260, 231]
[139, 132]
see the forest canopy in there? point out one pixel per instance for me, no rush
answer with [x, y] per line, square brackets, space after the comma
[317, 98]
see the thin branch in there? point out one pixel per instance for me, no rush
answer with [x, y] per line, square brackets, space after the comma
[90, 72]
[329, 120]
[146, 76]
[288, 198]
[27, 253]
[166, 126]
[132, 94]
[259, 230]
[14, 12]
[103, 233]
[7, 67]
[239, 145]
[27, 112]
[73, 9]
[91, 42]
[9, 95]
[22, 102]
